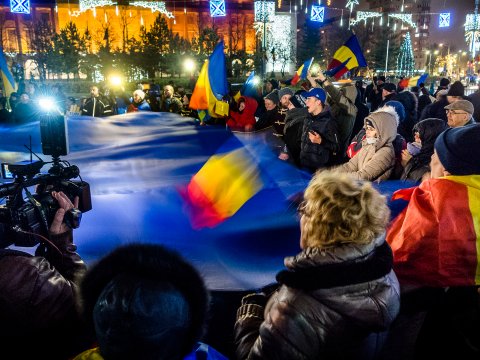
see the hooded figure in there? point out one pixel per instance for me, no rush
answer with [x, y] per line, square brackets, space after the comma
[376, 159]
[243, 119]
[428, 131]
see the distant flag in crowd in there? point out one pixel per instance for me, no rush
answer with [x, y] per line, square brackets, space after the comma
[221, 187]
[302, 71]
[445, 260]
[248, 89]
[347, 57]
[413, 81]
[7, 77]
[212, 84]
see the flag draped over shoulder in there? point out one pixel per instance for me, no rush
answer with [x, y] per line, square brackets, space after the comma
[347, 57]
[302, 71]
[7, 77]
[436, 239]
[221, 187]
[248, 89]
[212, 85]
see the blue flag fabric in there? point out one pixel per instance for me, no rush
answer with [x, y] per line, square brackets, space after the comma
[249, 88]
[137, 164]
[6, 75]
[217, 71]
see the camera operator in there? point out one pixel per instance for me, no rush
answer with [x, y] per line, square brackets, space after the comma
[37, 294]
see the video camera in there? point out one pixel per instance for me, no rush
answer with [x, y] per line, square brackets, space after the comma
[23, 219]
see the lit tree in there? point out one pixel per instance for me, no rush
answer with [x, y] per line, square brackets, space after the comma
[405, 60]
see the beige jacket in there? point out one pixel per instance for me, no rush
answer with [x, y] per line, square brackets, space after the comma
[375, 161]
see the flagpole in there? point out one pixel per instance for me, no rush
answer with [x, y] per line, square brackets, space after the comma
[386, 58]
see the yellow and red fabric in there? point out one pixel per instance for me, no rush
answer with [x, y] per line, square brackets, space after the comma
[347, 57]
[302, 71]
[221, 187]
[436, 239]
[7, 77]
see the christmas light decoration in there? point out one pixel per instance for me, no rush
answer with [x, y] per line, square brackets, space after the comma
[85, 5]
[364, 16]
[217, 8]
[404, 18]
[444, 20]
[264, 10]
[472, 33]
[351, 4]
[406, 60]
[318, 13]
[20, 6]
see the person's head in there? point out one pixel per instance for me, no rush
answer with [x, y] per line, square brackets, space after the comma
[315, 100]
[457, 152]
[271, 85]
[138, 96]
[168, 91]
[441, 94]
[381, 80]
[94, 91]
[388, 89]
[444, 83]
[426, 132]
[284, 95]
[459, 113]
[381, 126]
[144, 302]
[456, 92]
[271, 100]
[415, 90]
[399, 109]
[338, 210]
[370, 131]
[24, 98]
[241, 104]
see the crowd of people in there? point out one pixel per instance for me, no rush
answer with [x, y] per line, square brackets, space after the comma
[363, 285]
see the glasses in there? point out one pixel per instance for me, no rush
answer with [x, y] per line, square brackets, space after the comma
[369, 128]
[452, 112]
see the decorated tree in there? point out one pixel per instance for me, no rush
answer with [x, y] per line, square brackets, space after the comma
[405, 60]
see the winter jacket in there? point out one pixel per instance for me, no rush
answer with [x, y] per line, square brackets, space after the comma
[141, 106]
[344, 112]
[435, 110]
[173, 105]
[475, 100]
[37, 299]
[292, 132]
[271, 118]
[330, 305]
[238, 120]
[315, 156]
[97, 107]
[375, 161]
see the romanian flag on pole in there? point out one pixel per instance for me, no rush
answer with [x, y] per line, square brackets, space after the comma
[302, 71]
[349, 56]
[7, 77]
[221, 187]
[413, 81]
[436, 239]
[212, 85]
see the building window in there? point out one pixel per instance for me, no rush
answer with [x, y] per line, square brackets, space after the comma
[11, 40]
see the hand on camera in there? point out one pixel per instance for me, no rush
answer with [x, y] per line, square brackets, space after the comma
[58, 225]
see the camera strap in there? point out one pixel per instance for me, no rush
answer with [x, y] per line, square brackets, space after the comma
[39, 208]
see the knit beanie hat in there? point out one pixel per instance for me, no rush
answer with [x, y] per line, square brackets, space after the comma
[444, 82]
[390, 87]
[274, 83]
[399, 109]
[458, 150]
[456, 89]
[273, 96]
[284, 91]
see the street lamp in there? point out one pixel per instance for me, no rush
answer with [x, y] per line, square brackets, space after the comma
[264, 12]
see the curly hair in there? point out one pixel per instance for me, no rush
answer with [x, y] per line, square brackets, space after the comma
[338, 209]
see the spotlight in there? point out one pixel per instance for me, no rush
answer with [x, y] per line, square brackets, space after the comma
[189, 65]
[47, 104]
[115, 80]
[256, 80]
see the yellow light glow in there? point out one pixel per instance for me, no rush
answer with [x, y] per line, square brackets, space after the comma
[115, 80]
[189, 65]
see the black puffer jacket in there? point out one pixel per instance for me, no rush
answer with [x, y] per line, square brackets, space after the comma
[329, 306]
[315, 156]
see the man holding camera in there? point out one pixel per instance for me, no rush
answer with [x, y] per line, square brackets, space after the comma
[37, 293]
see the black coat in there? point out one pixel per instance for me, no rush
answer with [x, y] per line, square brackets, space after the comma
[435, 110]
[292, 132]
[315, 156]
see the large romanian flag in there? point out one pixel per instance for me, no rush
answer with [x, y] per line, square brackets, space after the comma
[349, 56]
[221, 187]
[212, 85]
[436, 239]
[249, 88]
[302, 72]
[7, 77]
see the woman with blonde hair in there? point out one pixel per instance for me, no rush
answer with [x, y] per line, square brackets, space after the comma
[339, 295]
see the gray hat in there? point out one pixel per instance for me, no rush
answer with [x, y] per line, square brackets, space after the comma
[285, 91]
[273, 96]
[463, 105]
